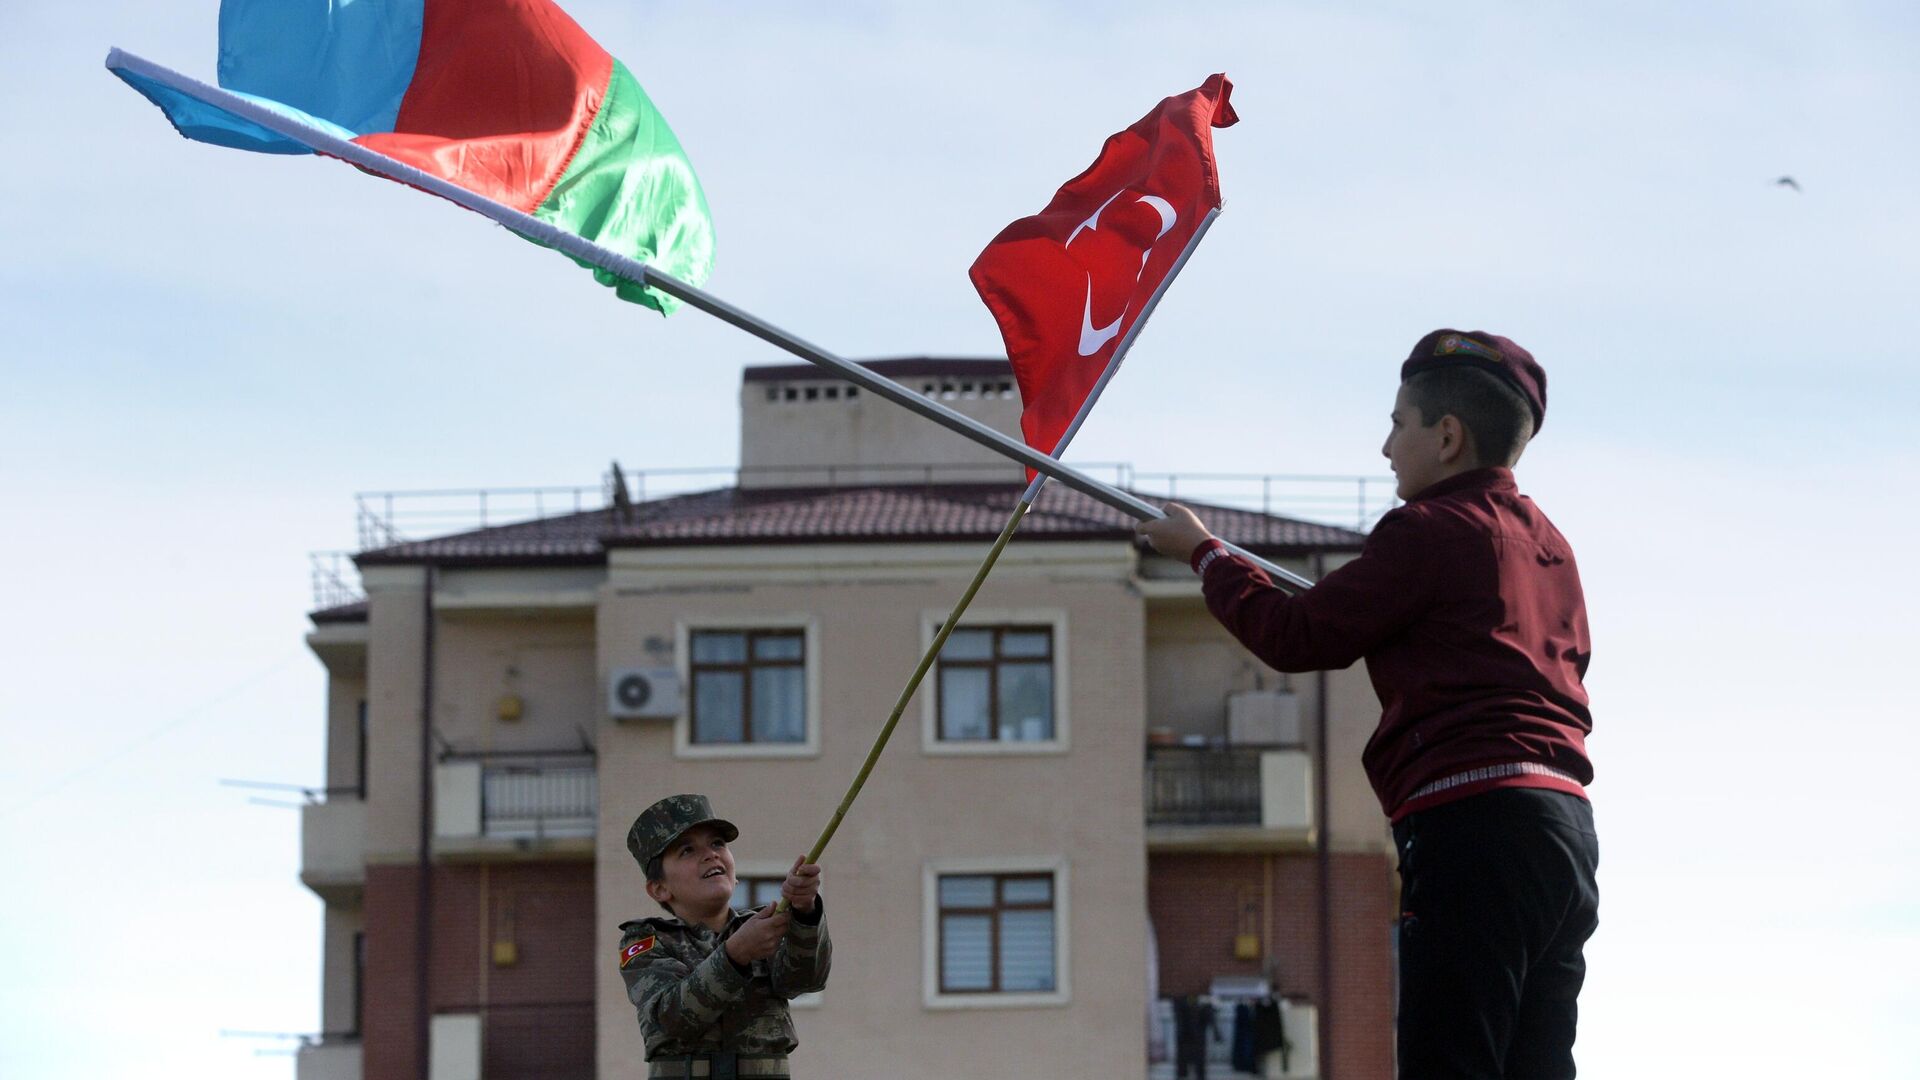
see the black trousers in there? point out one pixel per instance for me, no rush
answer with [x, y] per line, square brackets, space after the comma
[1497, 900]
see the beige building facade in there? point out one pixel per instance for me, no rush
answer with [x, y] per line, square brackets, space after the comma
[1096, 802]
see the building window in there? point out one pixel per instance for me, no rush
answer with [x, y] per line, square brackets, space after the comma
[997, 933]
[995, 684]
[757, 891]
[749, 686]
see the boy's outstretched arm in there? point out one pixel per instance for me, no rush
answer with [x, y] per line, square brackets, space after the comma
[1331, 625]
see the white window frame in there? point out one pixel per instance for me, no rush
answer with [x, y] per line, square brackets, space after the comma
[762, 868]
[933, 870]
[683, 744]
[1056, 618]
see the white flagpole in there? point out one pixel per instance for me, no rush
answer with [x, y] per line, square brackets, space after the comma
[631, 269]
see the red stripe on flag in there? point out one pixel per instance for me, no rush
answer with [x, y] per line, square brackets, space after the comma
[502, 94]
[1066, 284]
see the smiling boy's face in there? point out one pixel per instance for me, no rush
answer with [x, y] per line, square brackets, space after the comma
[697, 869]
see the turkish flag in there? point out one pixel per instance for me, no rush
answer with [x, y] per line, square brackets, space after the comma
[1067, 283]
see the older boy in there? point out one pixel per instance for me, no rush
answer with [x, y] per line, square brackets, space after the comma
[711, 983]
[1466, 605]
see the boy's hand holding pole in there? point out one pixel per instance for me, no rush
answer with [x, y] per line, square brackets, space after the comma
[757, 937]
[1176, 535]
[801, 887]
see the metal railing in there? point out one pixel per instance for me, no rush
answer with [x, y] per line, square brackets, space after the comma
[1203, 786]
[539, 800]
[385, 518]
[336, 581]
[1352, 502]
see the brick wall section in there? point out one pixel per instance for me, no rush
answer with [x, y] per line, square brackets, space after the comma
[544, 908]
[389, 1049]
[1364, 917]
[1197, 900]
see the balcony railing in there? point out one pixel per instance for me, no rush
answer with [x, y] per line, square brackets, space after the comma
[539, 801]
[524, 797]
[1203, 786]
[328, 1057]
[333, 840]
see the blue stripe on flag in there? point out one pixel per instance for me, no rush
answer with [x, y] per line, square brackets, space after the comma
[207, 123]
[345, 62]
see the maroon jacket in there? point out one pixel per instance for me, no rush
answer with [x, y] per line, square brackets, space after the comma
[1466, 605]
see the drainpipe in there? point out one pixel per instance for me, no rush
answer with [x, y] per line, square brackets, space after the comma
[423, 891]
[1324, 853]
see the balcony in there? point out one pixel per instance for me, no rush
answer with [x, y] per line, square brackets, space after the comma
[1229, 798]
[328, 1058]
[528, 1041]
[516, 803]
[333, 837]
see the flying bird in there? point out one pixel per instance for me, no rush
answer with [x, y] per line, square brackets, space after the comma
[1787, 181]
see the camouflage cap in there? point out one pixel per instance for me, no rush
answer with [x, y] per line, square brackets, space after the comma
[663, 822]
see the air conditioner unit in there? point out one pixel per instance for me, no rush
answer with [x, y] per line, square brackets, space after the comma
[1263, 718]
[644, 694]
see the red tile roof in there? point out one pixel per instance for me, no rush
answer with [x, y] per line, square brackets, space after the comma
[867, 514]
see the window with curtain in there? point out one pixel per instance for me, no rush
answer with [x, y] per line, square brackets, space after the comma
[996, 933]
[995, 684]
[749, 686]
[757, 891]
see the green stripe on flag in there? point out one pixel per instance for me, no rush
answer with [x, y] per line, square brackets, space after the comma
[630, 188]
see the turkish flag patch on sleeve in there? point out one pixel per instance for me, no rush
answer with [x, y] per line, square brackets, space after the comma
[644, 945]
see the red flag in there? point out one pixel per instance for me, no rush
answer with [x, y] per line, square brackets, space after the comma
[1067, 283]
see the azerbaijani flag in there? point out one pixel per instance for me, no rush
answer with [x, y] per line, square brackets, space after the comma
[508, 99]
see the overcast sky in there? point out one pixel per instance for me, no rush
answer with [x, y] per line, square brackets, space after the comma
[206, 353]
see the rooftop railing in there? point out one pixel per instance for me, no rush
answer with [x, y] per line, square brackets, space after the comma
[385, 518]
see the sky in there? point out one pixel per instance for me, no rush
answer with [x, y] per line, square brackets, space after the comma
[204, 354]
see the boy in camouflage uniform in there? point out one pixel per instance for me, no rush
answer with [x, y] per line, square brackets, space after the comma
[710, 982]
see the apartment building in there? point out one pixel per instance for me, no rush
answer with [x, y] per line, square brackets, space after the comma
[1097, 802]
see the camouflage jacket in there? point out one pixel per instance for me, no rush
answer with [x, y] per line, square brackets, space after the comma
[692, 1000]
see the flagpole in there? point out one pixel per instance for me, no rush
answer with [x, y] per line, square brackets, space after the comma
[1000, 545]
[613, 262]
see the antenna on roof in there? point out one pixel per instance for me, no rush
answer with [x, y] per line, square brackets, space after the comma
[622, 502]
